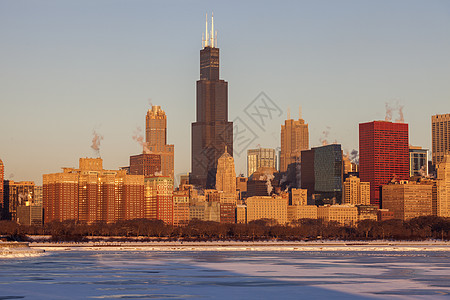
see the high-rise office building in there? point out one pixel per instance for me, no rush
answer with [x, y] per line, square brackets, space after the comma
[29, 215]
[328, 169]
[226, 175]
[38, 194]
[442, 207]
[440, 130]
[2, 177]
[308, 180]
[322, 170]
[383, 155]
[408, 199]
[159, 198]
[212, 131]
[294, 139]
[418, 161]
[90, 194]
[15, 194]
[156, 139]
[261, 157]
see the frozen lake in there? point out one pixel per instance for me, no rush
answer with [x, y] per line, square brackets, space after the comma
[144, 274]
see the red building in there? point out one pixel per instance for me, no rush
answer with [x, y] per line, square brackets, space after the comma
[383, 155]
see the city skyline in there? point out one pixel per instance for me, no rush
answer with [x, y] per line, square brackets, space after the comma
[56, 95]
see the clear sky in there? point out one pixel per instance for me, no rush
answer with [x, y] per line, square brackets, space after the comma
[70, 67]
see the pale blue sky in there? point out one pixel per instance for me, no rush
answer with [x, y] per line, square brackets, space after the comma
[69, 67]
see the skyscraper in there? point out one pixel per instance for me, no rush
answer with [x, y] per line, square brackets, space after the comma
[159, 199]
[328, 170]
[440, 129]
[355, 192]
[383, 155]
[408, 200]
[226, 175]
[16, 194]
[90, 194]
[322, 170]
[294, 139]
[261, 157]
[442, 207]
[212, 132]
[156, 139]
[418, 161]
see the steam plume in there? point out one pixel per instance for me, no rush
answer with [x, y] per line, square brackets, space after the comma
[391, 107]
[140, 139]
[400, 114]
[325, 134]
[269, 178]
[388, 116]
[96, 140]
[354, 156]
[422, 172]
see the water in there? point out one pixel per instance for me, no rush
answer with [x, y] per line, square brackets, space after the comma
[78, 274]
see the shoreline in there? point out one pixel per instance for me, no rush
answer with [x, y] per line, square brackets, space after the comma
[247, 246]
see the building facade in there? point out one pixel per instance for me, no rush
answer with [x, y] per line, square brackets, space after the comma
[418, 162]
[159, 203]
[226, 174]
[442, 207]
[383, 155]
[212, 132]
[15, 194]
[261, 157]
[30, 215]
[296, 212]
[328, 169]
[146, 164]
[346, 215]
[265, 207]
[440, 137]
[2, 178]
[308, 179]
[180, 208]
[408, 200]
[294, 139]
[91, 194]
[355, 192]
[156, 139]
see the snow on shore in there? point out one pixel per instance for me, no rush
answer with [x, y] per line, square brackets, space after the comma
[248, 246]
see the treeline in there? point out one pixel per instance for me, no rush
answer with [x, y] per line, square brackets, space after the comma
[264, 229]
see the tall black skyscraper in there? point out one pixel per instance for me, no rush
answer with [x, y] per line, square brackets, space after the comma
[212, 131]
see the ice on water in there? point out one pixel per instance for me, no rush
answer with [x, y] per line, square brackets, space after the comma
[147, 274]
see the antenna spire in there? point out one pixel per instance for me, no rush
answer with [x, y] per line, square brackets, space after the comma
[212, 30]
[206, 32]
[299, 112]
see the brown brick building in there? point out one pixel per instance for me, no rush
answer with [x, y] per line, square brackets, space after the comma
[90, 194]
[408, 200]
